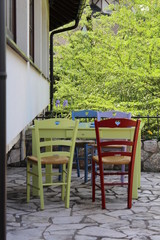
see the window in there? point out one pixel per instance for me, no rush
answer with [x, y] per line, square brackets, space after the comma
[11, 18]
[31, 29]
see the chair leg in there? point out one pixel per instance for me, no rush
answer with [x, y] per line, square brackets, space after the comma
[93, 181]
[40, 186]
[60, 171]
[77, 161]
[60, 166]
[122, 170]
[41, 198]
[63, 180]
[92, 154]
[102, 186]
[130, 184]
[123, 167]
[67, 197]
[86, 164]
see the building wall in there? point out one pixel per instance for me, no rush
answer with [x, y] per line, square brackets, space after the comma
[27, 81]
[104, 4]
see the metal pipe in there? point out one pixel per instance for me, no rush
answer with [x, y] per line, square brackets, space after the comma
[2, 121]
[51, 58]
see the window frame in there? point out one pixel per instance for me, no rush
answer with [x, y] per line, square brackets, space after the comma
[11, 19]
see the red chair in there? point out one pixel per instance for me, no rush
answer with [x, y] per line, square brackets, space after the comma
[115, 114]
[116, 158]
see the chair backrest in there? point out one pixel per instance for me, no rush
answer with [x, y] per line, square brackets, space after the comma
[55, 137]
[84, 114]
[112, 114]
[117, 123]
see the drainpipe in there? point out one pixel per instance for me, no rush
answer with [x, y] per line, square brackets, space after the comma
[51, 58]
[2, 121]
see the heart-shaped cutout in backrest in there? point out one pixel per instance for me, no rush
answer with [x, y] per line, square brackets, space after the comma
[117, 123]
[57, 122]
[86, 113]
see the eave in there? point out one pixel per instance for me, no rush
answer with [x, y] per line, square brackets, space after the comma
[63, 12]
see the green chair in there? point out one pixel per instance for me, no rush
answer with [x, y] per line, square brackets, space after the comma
[52, 149]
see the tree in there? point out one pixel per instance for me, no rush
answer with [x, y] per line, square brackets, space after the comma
[115, 63]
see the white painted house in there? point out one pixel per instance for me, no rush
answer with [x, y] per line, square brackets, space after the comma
[28, 23]
[27, 64]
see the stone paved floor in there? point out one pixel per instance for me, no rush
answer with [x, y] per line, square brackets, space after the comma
[84, 220]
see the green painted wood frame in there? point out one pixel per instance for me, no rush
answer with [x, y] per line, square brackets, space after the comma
[47, 130]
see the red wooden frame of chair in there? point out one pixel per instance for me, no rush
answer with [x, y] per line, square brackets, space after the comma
[116, 158]
[114, 114]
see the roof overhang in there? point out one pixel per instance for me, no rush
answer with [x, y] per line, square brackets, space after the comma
[63, 12]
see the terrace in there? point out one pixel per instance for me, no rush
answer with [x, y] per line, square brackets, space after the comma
[84, 219]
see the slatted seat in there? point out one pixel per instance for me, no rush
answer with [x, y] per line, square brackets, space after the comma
[116, 160]
[50, 160]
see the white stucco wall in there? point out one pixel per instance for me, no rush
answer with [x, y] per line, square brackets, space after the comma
[27, 94]
[27, 90]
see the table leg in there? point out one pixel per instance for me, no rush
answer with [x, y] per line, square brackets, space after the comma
[139, 160]
[137, 170]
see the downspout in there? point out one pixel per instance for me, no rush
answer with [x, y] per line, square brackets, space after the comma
[51, 58]
[2, 121]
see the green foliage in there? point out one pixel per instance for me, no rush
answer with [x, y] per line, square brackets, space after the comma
[115, 63]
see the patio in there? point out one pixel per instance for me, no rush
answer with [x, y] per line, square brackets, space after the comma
[84, 220]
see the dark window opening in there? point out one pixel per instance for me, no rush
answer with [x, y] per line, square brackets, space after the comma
[11, 19]
[31, 29]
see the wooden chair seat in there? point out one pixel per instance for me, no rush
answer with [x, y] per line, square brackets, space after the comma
[50, 160]
[116, 160]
